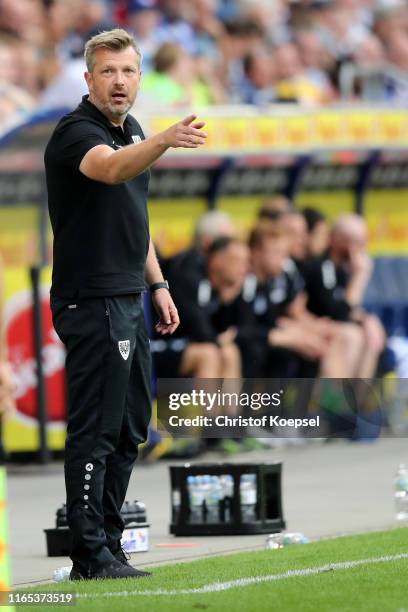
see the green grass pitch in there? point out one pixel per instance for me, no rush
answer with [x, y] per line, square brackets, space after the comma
[367, 573]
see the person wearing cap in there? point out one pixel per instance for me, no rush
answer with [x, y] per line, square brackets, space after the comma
[143, 19]
[97, 170]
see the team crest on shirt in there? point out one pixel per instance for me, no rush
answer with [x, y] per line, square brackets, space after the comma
[136, 138]
[124, 348]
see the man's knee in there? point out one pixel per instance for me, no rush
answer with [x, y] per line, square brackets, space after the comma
[374, 333]
[350, 334]
[230, 355]
[206, 353]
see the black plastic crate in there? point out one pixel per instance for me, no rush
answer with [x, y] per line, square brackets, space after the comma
[58, 539]
[229, 515]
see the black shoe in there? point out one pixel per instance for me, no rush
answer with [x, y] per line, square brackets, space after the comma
[123, 557]
[114, 569]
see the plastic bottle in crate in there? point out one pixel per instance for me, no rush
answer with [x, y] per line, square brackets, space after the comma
[196, 498]
[176, 503]
[213, 499]
[227, 488]
[248, 495]
[401, 493]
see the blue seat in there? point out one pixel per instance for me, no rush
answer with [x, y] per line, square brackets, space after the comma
[387, 293]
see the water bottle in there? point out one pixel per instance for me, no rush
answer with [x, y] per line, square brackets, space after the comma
[196, 497]
[62, 573]
[176, 503]
[205, 490]
[227, 485]
[140, 509]
[280, 540]
[213, 500]
[401, 493]
[248, 495]
[227, 494]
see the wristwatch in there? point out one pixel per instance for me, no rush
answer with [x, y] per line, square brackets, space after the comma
[161, 285]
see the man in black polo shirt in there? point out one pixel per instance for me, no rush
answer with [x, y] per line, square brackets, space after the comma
[97, 174]
[336, 283]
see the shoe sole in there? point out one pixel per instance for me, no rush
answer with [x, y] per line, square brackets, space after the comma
[76, 576]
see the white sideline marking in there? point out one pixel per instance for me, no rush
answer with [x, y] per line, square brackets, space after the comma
[241, 582]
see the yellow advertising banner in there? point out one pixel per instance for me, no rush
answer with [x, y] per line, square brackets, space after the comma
[300, 131]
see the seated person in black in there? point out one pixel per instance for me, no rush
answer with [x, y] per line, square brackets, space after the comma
[276, 286]
[192, 261]
[295, 227]
[213, 314]
[323, 347]
[335, 285]
[318, 232]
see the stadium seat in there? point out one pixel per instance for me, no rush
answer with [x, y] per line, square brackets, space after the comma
[387, 293]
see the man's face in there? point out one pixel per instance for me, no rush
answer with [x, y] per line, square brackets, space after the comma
[271, 255]
[344, 245]
[230, 266]
[114, 82]
[296, 228]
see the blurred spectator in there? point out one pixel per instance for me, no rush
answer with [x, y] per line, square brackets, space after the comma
[173, 81]
[176, 26]
[143, 18]
[260, 76]
[293, 82]
[64, 78]
[318, 232]
[271, 17]
[208, 29]
[341, 28]
[316, 60]
[390, 17]
[16, 101]
[24, 18]
[369, 52]
[242, 38]
[398, 51]
[397, 81]
[67, 88]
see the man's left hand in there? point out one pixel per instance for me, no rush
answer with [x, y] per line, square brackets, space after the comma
[167, 311]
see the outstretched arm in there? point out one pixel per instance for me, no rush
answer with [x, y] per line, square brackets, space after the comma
[101, 163]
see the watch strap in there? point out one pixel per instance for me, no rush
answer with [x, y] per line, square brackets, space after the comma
[161, 285]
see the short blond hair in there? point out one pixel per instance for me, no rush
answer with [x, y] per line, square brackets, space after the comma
[115, 40]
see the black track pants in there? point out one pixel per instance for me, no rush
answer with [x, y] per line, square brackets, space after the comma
[108, 376]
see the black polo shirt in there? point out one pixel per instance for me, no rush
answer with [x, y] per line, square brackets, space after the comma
[326, 285]
[272, 298]
[101, 231]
